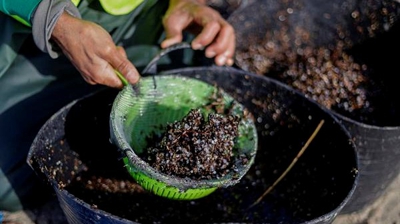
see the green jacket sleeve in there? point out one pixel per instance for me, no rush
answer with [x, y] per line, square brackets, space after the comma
[21, 10]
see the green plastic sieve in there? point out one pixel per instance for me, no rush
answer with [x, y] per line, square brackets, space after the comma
[137, 116]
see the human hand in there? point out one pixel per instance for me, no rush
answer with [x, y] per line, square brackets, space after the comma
[212, 30]
[92, 51]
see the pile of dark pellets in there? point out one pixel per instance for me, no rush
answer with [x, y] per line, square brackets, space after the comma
[327, 75]
[288, 50]
[195, 147]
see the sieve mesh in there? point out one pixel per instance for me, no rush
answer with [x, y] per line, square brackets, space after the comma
[137, 117]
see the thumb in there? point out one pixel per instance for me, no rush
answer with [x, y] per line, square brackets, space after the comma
[129, 71]
[124, 67]
[171, 41]
[173, 32]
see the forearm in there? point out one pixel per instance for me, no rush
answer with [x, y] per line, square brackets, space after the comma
[44, 20]
[41, 15]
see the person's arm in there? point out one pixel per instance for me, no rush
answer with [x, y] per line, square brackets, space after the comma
[44, 19]
[41, 15]
[212, 30]
[92, 51]
[58, 29]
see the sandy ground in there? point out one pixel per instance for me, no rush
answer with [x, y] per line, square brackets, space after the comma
[385, 210]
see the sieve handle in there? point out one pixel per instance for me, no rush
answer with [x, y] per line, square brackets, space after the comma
[122, 78]
[151, 68]
[125, 82]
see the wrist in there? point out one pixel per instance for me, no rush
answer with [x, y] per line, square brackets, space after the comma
[46, 17]
[59, 27]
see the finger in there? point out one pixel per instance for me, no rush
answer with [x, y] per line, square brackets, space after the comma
[171, 41]
[121, 63]
[224, 42]
[206, 36]
[88, 79]
[100, 72]
[174, 27]
[226, 57]
[111, 78]
[223, 47]
[229, 53]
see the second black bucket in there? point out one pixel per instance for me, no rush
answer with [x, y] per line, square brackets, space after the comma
[73, 153]
[347, 39]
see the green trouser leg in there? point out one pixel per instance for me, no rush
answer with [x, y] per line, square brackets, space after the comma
[39, 91]
[33, 87]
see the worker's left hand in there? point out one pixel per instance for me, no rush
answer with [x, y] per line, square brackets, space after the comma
[212, 31]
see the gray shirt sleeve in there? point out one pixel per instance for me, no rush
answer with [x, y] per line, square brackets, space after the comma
[44, 19]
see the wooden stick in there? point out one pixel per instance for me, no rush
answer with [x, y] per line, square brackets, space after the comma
[291, 164]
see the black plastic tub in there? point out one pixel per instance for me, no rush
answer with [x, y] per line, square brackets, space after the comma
[73, 154]
[367, 34]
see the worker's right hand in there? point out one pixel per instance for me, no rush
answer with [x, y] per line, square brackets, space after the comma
[92, 51]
